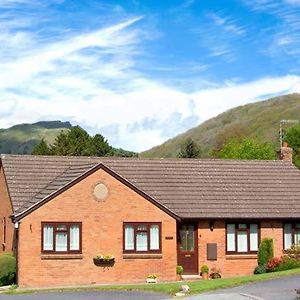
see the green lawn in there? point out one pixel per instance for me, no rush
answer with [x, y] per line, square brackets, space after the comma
[199, 286]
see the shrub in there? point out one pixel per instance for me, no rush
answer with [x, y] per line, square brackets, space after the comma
[215, 273]
[179, 270]
[265, 251]
[204, 269]
[288, 264]
[7, 269]
[273, 264]
[260, 269]
[293, 252]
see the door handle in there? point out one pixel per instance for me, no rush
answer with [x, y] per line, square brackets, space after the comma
[187, 255]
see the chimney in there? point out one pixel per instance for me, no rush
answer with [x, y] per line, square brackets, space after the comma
[286, 153]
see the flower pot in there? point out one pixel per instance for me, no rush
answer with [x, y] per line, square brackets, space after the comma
[204, 275]
[178, 277]
[151, 280]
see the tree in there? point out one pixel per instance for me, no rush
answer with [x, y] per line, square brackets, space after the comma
[41, 148]
[61, 145]
[292, 137]
[235, 131]
[79, 142]
[75, 142]
[189, 149]
[99, 146]
[247, 149]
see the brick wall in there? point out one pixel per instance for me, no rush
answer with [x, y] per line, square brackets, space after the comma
[102, 233]
[234, 265]
[5, 213]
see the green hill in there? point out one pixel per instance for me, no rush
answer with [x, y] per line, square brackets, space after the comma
[21, 139]
[260, 119]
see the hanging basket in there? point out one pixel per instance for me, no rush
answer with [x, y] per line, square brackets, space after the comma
[101, 261]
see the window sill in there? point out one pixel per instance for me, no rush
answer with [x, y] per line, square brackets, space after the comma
[61, 256]
[142, 255]
[240, 256]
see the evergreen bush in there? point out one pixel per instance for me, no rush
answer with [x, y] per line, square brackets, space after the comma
[265, 251]
[260, 269]
[7, 269]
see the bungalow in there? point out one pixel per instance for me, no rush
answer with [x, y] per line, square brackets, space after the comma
[58, 213]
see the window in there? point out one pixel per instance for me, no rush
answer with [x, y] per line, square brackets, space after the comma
[242, 238]
[61, 237]
[291, 234]
[142, 237]
[187, 237]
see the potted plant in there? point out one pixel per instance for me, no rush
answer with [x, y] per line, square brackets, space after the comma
[215, 273]
[151, 278]
[104, 260]
[204, 271]
[179, 272]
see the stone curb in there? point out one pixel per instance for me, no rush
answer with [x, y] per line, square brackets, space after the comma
[4, 288]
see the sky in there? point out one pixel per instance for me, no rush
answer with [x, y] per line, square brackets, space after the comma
[142, 71]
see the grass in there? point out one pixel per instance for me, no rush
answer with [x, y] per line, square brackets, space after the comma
[172, 287]
[21, 139]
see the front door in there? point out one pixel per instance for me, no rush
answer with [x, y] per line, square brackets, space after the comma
[187, 248]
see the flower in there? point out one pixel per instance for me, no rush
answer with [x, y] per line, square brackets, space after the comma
[105, 257]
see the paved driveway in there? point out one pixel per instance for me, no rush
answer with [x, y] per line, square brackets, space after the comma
[276, 289]
[92, 295]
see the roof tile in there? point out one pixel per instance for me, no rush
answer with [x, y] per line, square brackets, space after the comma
[190, 188]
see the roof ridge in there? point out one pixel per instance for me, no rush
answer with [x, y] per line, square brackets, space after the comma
[172, 159]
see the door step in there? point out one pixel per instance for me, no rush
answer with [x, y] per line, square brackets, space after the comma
[191, 277]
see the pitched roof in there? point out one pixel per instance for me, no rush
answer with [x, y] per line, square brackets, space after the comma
[190, 188]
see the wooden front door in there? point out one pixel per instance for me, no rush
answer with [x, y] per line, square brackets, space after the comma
[187, 248]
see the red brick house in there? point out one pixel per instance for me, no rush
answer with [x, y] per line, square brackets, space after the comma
[58, 213]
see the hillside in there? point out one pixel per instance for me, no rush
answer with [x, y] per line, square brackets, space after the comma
[260, 119]
[21, 139]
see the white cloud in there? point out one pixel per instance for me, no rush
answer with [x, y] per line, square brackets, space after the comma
[228, 24]
[220, 34]
[293, 2]
[284, 34]
[16, 71]
[91, 79]
[150, 101]
[226, 97]
[13, 3]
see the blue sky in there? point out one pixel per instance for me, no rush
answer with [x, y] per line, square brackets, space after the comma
[140, 72]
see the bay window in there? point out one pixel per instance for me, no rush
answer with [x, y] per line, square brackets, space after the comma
[61, 237]
[291, 235]
[242, 238]
[142, 237]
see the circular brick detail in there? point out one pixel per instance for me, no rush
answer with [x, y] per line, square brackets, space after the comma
[100, 191]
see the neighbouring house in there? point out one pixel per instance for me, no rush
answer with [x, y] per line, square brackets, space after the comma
[58, 213]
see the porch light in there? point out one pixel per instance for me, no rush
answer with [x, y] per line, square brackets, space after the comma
[211, 225]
